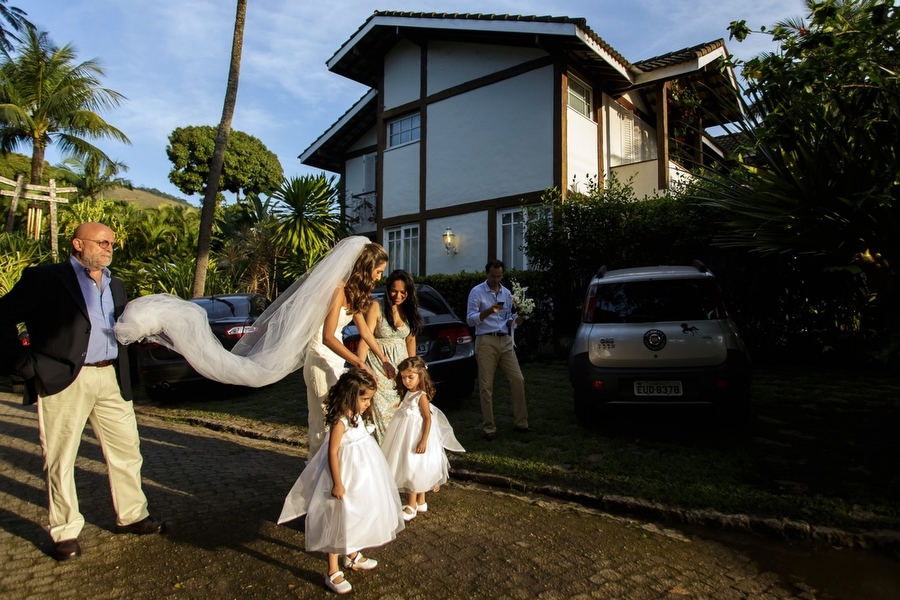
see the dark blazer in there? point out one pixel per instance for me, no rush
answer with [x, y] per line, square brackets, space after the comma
[49, 301]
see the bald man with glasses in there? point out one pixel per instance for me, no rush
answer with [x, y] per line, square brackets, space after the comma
[76, 371]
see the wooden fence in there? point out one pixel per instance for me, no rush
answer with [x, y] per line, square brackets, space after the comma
[37, 194]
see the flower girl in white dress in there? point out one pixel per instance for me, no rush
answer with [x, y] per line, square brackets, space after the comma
[416, 437]
[346, 490]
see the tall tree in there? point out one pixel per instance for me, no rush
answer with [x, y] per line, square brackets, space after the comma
[15, 18]
[46, 97]
[208, 212]
[249, 166]
[824, 120]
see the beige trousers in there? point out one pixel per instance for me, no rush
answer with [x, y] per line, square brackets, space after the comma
[94, 396]
[490, 352]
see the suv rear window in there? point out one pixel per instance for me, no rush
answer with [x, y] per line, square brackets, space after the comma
[655, 300]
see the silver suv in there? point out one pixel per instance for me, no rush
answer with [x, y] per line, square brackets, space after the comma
[657, 335]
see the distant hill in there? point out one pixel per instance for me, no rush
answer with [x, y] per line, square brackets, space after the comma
[145, 197]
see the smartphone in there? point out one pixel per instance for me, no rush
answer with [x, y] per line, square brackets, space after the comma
[500, 303]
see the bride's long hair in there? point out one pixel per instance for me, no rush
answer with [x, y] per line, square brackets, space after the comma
[358, 287]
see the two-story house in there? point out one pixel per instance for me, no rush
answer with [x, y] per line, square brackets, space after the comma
[471, 117]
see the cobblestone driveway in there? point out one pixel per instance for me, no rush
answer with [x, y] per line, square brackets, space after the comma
[220, 495]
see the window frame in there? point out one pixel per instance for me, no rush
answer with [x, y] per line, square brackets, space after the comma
[403, 245]
[585, 97]
[409, 130]
[509, 251]
[636, 138]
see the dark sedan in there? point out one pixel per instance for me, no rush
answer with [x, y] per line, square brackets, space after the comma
[445, 343]
[230, 317]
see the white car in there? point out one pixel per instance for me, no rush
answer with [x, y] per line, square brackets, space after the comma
[657, 335]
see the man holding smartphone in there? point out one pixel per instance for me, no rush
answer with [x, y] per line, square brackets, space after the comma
[489, 312]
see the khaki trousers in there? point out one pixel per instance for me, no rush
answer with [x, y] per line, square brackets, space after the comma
[94, 396]
[490, 352]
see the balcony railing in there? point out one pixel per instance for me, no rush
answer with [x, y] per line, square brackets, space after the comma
[361, 211]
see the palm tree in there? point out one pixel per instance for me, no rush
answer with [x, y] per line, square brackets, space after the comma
[92, 176]
[15, 17]
[46, 97]
[210, 199]
[309, 218]
[249, 251]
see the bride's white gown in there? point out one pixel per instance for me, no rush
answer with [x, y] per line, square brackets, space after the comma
[275, 350]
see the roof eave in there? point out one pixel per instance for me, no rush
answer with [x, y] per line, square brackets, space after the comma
[312, 155]
[683, 68]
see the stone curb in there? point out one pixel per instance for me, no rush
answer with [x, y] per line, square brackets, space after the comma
[879, 540]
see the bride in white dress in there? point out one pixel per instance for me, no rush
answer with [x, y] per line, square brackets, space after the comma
[302, 327]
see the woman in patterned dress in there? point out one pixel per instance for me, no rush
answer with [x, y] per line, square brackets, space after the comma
[394, 324]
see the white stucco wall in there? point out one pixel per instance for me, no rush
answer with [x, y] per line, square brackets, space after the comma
[645, 176]
[370, 138]
[401, 74]
[451, 64]
[494, 141]
[401, 180]
[581, 150]
[471, 236]
[355, 175]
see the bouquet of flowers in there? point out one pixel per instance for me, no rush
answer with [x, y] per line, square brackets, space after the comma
[521, 303]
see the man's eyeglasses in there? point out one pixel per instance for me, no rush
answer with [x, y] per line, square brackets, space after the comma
[105, 244]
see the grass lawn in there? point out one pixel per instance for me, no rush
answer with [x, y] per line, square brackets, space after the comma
[819, 447]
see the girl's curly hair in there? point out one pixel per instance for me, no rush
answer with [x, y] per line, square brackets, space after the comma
[425, 383]
[342, 396]
[358, 287]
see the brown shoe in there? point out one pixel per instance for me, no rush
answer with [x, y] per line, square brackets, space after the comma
[142, 527]
[490, 435]
[525, 429]
[66, 549]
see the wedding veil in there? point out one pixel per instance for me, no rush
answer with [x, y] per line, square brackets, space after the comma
[273, 351]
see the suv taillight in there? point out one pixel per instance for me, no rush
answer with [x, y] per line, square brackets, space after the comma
[590, 303]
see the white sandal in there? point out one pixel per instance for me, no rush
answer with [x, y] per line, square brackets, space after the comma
[339, 588]
[360, 562]
[422, 507]
[409, 516]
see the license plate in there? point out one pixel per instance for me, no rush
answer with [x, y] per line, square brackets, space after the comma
[657, 388]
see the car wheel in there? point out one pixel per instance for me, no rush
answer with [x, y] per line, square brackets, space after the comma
[464, 390]
[585, 409]
[737, 412]
[158, 393]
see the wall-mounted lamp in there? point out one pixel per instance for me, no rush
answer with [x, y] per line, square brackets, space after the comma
[449, 246]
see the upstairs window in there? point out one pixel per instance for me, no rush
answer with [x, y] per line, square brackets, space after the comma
[580, 97]
[631, 140]
[404, 130]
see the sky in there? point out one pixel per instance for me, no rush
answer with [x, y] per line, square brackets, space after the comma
[170, 59]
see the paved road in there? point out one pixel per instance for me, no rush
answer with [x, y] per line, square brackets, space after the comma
[221, 494]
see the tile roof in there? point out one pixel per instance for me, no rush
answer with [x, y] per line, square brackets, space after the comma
[678, 56]
[579, 21]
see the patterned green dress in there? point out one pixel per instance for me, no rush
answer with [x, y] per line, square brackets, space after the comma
[386, 400]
